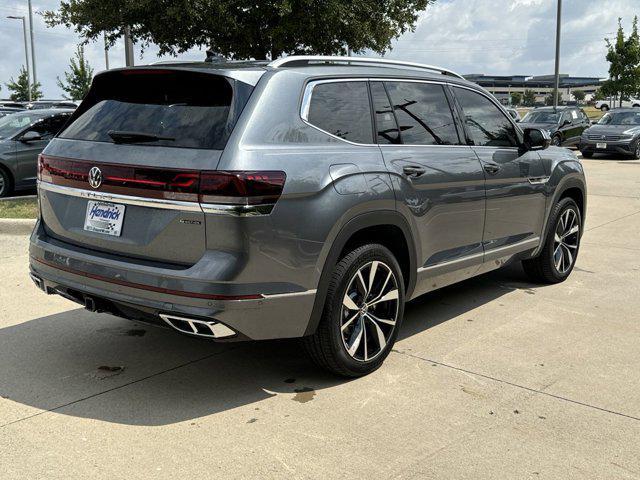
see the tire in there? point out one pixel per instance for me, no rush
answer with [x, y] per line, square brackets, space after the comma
[587, 154]
[635, 105]
[556, 141]
[544, 268]
[636, 152]
[604, 108]
[6, 183]
[348, 341]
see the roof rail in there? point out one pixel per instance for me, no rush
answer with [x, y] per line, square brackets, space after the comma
[308, 59]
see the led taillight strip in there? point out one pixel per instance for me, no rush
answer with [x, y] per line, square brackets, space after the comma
[238, 188]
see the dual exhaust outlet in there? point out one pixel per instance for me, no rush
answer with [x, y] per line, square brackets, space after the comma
[190, 326]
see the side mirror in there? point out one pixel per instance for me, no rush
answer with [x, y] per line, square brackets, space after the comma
[536, 139]
[30, 136]
[566, 122]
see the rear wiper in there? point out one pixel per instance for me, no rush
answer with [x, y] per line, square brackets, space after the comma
[120, 136]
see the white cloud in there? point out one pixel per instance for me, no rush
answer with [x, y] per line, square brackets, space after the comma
[470, 36]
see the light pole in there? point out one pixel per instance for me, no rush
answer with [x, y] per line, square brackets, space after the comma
[128, 47]
[26, 49]
[106, 52]
[557, 80]
[33, 48]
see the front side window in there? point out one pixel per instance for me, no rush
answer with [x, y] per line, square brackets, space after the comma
[486, 124]
[423, 113]
[342, 109]
[49, 127]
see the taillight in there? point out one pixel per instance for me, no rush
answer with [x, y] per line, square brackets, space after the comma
[241, 188]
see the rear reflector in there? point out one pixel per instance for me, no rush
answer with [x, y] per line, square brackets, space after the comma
[225, 187]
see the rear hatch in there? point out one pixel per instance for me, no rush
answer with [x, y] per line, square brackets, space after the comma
[124, 176]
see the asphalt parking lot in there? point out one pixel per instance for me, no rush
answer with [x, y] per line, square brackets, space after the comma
[492, 378]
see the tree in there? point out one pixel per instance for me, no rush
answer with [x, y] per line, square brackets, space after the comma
[516, 98]
[579, 95]
[548, 100]
[245, 30]
[78, 79]
[528, 98]
[20, 87]
[623, 56]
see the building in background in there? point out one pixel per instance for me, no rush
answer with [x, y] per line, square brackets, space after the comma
[542, 85]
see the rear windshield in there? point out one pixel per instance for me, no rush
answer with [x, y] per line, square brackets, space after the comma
[159, 107]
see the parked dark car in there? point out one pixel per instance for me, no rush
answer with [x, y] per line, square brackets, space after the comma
[8, 110]
[618, 131]
[47, 104]
[23, 135]
[307, 197]
[11, 104]
[564, 124]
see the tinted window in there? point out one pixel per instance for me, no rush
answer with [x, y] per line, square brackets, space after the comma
[386, 126]
[342, 109]
[49, 127]
[486, 124]
[423, 113]
[186, 109]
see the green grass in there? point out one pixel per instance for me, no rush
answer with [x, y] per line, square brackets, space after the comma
[19, 208]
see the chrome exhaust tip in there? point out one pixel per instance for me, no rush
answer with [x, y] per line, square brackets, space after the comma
[38, 281]
[200, 328]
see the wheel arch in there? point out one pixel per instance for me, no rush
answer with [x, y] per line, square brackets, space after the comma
[387, 228]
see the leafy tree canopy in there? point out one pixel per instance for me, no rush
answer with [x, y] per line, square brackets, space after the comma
[516, 98]
[528, 98]
[623, 56]
[240, 29]
[78, 79]
[579, 95]
[20, 88]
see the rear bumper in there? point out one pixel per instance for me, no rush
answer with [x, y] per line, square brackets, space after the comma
[138, 291]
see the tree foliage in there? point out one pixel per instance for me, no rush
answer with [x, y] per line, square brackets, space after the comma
[579, 95]
[20, 87]
[78, 78]
[244, 29]
[623, 56]
[528, 98]
[516, 98]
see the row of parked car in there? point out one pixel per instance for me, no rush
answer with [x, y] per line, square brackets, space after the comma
[7, 107]
[618, 131]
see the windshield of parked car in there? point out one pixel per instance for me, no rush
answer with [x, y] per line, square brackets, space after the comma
[16, 122]
[620, 118]
[541, 117]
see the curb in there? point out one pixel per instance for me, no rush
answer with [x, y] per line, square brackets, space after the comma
[20, 197]
[16, 226]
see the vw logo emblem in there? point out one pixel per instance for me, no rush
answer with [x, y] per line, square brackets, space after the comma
[95, 177]
[604, 137]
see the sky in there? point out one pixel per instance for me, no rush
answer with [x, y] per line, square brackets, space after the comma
[499, 37]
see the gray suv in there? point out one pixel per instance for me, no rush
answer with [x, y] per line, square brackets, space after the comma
[307, 197]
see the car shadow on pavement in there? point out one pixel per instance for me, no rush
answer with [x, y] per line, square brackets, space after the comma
[98, 366]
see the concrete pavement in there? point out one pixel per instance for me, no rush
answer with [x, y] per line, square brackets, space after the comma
[492, 378]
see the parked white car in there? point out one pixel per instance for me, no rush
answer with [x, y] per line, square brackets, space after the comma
[612, 102]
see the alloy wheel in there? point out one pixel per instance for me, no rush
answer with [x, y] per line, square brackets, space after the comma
[565, 242]
[369, 311]
[3, 184]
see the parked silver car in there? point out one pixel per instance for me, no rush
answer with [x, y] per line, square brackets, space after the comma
[23, 135]
[307, 197]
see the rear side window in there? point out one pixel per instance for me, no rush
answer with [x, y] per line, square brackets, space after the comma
[486, 124]
[342, 109]
[386, 126]
[423, 113]
[180, 109]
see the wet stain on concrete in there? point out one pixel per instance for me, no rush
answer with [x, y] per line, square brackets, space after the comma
[578, 269]
[516, 412]
[252, 420]
[530, 292]
[304, 394]
[107, 371]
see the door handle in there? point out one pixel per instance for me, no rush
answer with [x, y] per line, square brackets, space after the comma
[413, 171]
[491, 168]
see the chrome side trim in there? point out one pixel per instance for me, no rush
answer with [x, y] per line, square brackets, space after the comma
[538, 180]
[384, 62]
[237, 210]
[288, 295]
[126, 199]
[530, 242]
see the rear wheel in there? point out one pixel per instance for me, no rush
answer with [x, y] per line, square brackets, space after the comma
[560, 251]
[362, 313]
[604, 108]
[555, 140]
[6, 186]
[587, 154]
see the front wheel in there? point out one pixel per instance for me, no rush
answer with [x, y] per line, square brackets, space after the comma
[5, 184]
[636, 152]
[560, 251]
[555, 141]
[362, 313]
[587, 154]
[604, 108]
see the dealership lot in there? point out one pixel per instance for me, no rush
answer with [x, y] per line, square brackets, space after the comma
[491, 378]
